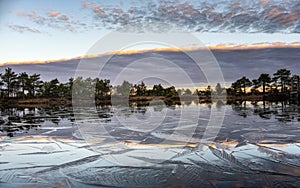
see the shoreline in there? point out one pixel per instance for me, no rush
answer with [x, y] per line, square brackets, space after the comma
[135, 100]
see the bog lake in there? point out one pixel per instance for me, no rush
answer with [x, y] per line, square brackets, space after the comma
[246, 144]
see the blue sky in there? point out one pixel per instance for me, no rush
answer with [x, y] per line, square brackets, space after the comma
[46, 30]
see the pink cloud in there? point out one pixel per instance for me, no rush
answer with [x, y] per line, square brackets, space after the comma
[59, 16]
[64, 18]
[264, 2]
[85, 4]
[33, 15]
[54, 14]
[98, 10]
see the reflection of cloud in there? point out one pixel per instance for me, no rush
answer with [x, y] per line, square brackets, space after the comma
[22, 29]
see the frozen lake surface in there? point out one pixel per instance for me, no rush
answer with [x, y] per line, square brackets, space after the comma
[192, 145]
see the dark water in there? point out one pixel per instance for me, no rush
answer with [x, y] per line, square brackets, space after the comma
[195, 145]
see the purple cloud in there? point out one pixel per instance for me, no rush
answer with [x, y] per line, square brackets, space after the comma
[22, 29]
[266, 16]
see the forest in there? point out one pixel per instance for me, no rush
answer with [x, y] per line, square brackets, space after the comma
[25, 86]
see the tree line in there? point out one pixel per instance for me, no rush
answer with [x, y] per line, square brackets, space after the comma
[282, 82]
[23, 85]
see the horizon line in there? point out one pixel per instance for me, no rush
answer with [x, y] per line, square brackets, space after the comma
[219, 47]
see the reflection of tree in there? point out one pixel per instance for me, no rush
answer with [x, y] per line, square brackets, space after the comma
[241, 108]
[18, 120]
[188, 102]
[104, 112]
[158, 108]
[129, 111]
[263, 111]
[171, 103]
[21, 120]
[281, 111]
[219, 104]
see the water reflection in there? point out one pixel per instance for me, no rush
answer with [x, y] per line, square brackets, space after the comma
[282, 111]
[19, 121]
[257, 139]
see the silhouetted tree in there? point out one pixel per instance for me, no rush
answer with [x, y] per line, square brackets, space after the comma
[230, 91]
[208, 91]
[179, 91]
[264, 80]
[236, 87]
[10, 81]
[219, 89]
[244, 83]
[82, 88]
[1, 85]
[23, 80]
[283, 75]
[158, 90]
[69, 86]
[51, 89]
[103, 87]
[255, 85]
[170, 92]
[140, 89]
[24, 85]
[125, 88]
[34, 84]
[188, 92]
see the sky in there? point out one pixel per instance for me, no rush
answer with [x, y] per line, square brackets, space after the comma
[48, 30]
